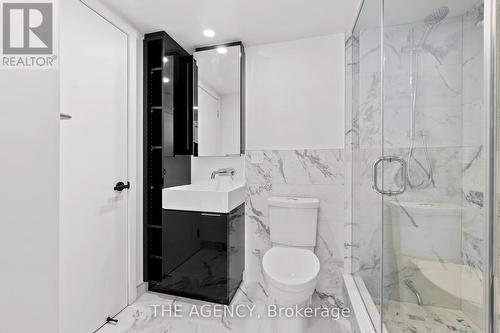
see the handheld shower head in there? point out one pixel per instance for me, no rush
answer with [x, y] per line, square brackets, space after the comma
[432, 20]
[436, 16]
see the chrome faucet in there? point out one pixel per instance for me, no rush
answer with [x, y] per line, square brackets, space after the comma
[223, 172]
[409, 283]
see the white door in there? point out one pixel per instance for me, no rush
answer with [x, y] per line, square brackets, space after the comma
[93, 231]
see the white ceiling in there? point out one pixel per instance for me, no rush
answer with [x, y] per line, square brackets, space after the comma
[253, 22]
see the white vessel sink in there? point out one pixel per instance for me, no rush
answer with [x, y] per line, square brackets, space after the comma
[204, 197]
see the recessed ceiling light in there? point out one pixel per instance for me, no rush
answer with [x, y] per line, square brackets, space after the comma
[222, 49]
[166, 80]
[165, 59]
[209, 33]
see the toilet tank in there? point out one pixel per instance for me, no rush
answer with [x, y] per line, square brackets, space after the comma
[293, 221]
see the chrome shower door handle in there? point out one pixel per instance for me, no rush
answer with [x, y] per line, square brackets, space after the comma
[389, 159]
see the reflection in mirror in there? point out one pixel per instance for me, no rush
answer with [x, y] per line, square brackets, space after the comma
[217, 113]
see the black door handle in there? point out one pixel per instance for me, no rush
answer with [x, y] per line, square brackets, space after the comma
[120, 186]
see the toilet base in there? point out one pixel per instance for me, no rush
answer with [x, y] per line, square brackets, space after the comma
[290, 286]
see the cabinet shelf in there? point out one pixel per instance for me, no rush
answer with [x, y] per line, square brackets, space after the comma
[156, 257]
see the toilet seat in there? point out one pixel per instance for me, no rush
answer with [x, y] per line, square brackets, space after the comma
[291, 269]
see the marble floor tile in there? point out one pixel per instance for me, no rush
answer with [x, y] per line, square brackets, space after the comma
[409, 317]
[140, 316]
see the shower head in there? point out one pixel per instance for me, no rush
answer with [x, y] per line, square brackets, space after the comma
[480, 15]
[432, 20]
[436, 16]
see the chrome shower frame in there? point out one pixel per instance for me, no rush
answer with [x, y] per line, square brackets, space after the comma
[490, 104]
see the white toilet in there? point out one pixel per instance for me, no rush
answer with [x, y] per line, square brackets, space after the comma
[290, 267]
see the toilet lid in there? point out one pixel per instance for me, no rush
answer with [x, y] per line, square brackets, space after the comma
[290, 266]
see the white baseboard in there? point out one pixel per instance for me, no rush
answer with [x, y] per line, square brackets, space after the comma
[142, 289]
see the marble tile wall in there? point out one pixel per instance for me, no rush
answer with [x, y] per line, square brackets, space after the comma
[348, 140]
[350, 223]
[306, 173]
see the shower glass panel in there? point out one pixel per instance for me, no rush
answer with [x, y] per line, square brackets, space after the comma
[366, 147]
[418, 257]
[434, 119]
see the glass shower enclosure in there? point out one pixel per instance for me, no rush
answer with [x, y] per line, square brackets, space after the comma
[421, 141]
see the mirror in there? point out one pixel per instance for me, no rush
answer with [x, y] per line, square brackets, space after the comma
[218, 108]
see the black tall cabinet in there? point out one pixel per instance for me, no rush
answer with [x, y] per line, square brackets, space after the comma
[186, 253]
[168, 134]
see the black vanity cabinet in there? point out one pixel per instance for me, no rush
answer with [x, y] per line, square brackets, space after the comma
[202, 254]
